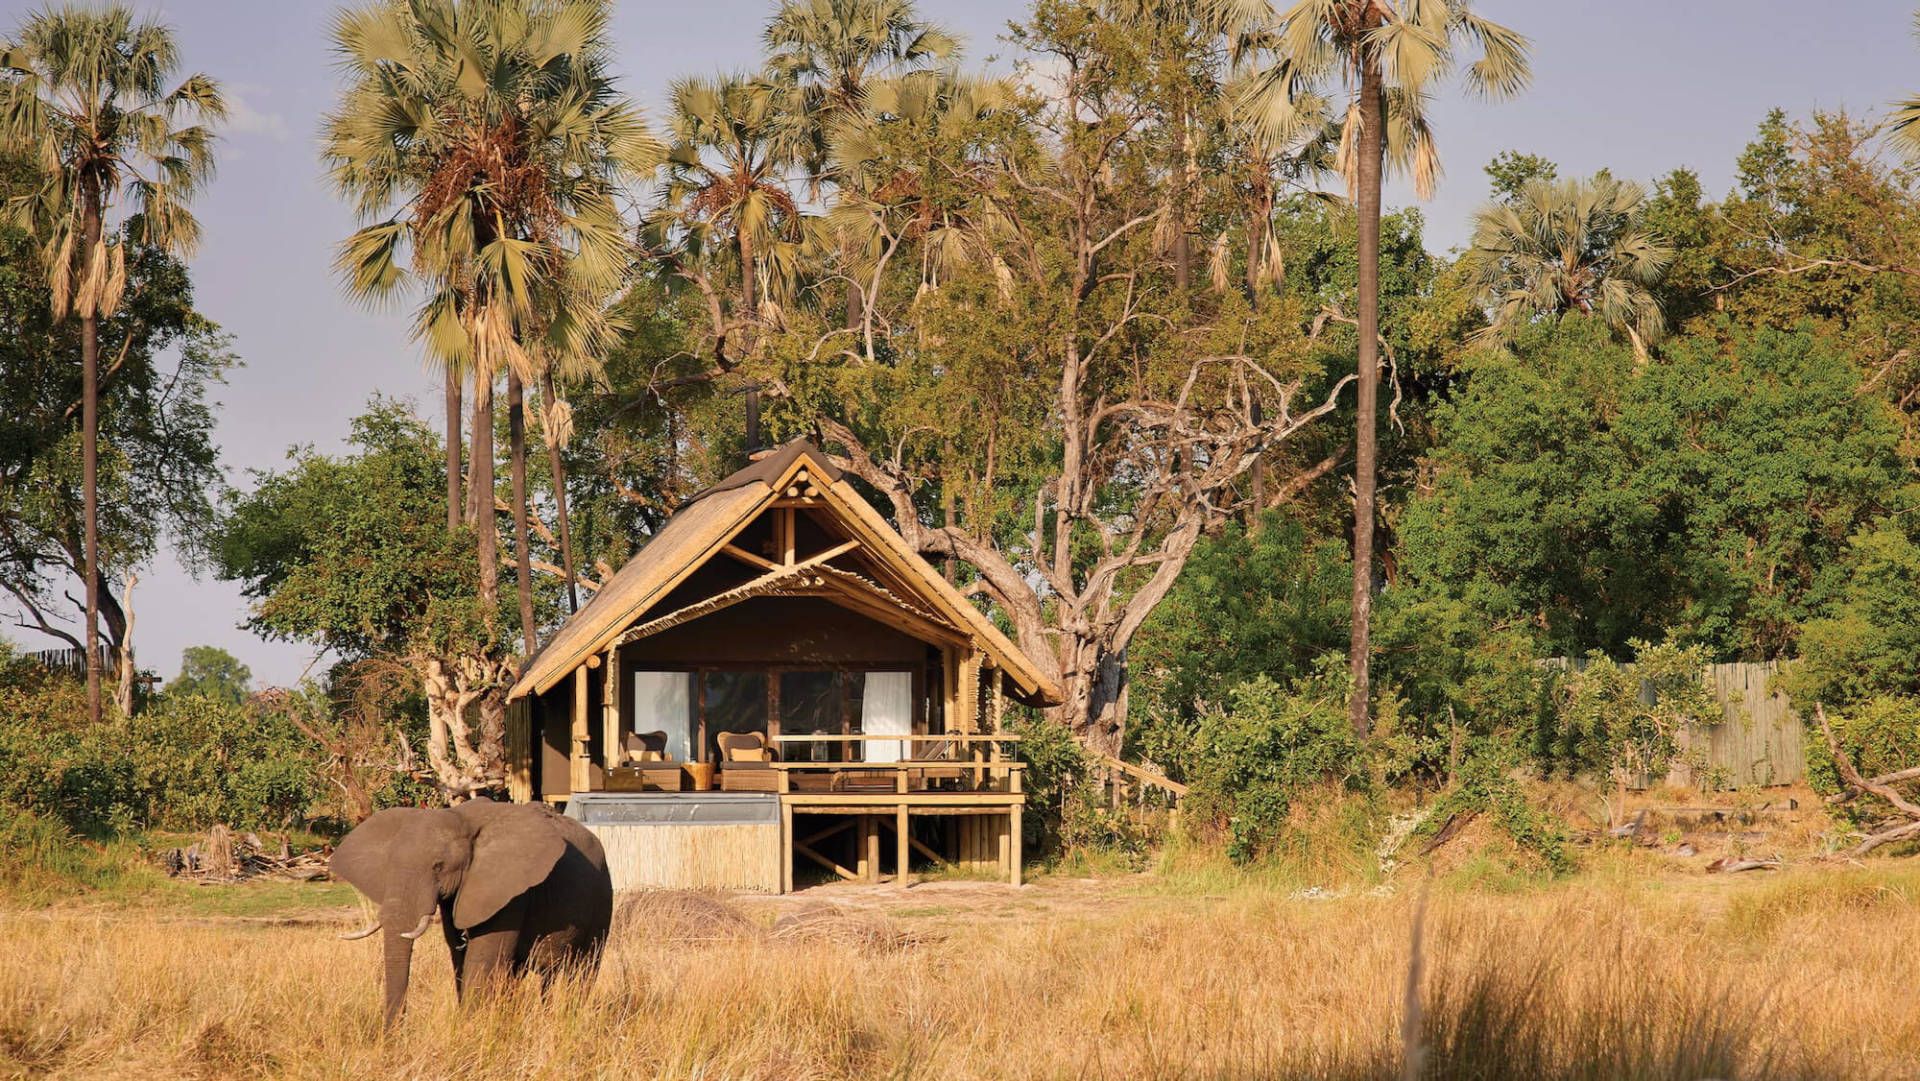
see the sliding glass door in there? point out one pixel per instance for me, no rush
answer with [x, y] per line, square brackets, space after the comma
[733, 702]
[692, 708]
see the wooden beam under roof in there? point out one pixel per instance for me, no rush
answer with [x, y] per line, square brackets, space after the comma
[770, 582]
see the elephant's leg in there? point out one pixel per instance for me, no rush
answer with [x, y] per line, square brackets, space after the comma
[456, 948]
[491, 948]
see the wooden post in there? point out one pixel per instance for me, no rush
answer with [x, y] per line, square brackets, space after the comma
[1004, 853]
[873, 847]
[901, 843]
[610, 708]
[860, 866]
[1014, 843]
[581, 778]
[786, 847]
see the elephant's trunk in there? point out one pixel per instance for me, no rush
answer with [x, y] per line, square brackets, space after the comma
[399, 965]
[402, 921]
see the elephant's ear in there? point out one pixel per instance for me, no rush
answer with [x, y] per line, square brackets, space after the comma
[514, 849]
[362, 857]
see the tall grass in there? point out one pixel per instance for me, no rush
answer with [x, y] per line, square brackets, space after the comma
[1726, 980]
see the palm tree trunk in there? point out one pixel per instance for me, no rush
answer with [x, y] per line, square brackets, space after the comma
[557, 467]
[480, 494]
[746, 275]
[1257, 226]
[90, 443]
[1373, 116]
[517, 450]
[453, 449]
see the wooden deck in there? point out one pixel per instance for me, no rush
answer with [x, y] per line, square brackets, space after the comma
[967, 777]
[968, 783]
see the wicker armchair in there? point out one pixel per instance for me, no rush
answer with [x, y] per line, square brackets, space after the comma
[746, 762]
[641, 747]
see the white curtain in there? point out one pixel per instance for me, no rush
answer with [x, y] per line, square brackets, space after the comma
[661, 703]
[886, 709]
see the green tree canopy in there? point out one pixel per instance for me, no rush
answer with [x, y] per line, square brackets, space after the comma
[1713, 492]
[212, 672]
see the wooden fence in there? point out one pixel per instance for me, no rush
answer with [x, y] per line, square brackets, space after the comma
[74, 660]
[1758, 741]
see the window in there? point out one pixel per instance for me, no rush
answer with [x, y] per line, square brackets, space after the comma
[811, 704]
[663, 702]
[735, 702]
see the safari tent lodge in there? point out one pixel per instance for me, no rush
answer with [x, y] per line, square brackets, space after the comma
[777, 680]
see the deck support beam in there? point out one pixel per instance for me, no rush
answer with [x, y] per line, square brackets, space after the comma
[787, 847]
[902, 852]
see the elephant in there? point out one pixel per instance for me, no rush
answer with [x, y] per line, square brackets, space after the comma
[519, 889]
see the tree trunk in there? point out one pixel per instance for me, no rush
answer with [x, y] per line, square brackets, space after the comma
[1257, 225]
[557, 467]
[453, 449]
[463, 765]
[123, 693]
[746, 276]
[90, 438]
[480, 494]
[1373, 117]
[856, 313]
[523, 560]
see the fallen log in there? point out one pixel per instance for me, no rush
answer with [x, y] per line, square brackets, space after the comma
[1727, 865]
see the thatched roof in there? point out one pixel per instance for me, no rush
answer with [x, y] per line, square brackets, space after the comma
[709, 521]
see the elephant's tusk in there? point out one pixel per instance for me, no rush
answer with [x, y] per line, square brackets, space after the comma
[420, 930]
[355, 936]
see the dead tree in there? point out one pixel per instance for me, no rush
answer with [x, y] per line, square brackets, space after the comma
[1904, 823]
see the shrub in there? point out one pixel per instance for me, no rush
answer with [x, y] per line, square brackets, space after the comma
[1625, 720]
[1268, 601]
[1072, 815]
[1256, 754]
[1488, 783]
[188, 762]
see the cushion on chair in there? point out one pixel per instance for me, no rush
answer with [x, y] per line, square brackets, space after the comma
[740, 747]
[645, 746]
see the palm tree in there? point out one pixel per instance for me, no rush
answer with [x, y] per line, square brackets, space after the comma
[1904, 124]
[483, 143]
[725, 186]
[832, 50]
[84, 95]
[1575, 245]
[1385, 56]
[901, 164]
[833, 47]
[1274, 161]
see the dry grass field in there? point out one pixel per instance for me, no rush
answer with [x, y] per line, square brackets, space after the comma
[1804, 974]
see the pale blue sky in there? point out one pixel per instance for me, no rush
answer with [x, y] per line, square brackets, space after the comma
[1639, 86]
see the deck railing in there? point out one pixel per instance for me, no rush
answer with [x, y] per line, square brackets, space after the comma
[968, 761]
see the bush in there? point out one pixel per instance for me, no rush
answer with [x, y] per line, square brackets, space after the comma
[1624, 721]
[1881, 735]
[1488, 783]
[1268, 602]
[1269, 743]
[1072, 816]
[186, 763]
